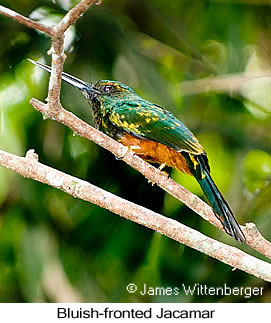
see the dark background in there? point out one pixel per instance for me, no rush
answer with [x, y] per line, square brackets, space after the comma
[55, 248]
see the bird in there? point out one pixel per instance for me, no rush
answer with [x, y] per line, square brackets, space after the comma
[154, 134]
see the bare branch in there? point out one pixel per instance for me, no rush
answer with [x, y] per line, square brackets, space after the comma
[73, 15]
[26, 21]
[30, 167]
[57, 49]
[255, 241]
[58, 58]
[58, 30]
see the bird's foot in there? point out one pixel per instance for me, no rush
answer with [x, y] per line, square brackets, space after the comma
[124, 152]
[133, 148]
[127, 149]
[162, 166]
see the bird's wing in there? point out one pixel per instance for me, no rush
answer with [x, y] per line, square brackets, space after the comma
[149, 121]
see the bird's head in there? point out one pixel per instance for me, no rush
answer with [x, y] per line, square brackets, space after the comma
[106, 91]
[103, 92]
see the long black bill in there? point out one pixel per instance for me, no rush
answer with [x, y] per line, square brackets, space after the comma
[81, 85]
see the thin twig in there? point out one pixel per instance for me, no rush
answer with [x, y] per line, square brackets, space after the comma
[54, 31]
[30, 167]
[26, 21]
[254, 240]
[57, 50]
[73, 15]
[58, 58]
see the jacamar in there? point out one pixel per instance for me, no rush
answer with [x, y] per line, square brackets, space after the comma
[154, 134]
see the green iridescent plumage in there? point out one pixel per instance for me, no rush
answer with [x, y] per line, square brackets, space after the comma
[149, 121]
[118, 111]
[129, 112]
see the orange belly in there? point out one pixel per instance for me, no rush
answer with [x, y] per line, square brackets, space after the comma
[156, 152]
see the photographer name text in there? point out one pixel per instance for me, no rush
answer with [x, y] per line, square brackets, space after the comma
[196, 289]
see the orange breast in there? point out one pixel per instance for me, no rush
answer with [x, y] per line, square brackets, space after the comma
[156, 152]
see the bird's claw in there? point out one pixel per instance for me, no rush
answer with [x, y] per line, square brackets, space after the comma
[124, 152]
[162, 166]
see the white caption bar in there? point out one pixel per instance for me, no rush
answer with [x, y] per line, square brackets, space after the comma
[132, 312]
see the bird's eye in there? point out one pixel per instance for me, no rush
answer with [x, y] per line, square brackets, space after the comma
[108, 88]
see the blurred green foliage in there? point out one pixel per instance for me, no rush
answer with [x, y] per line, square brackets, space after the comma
[56, 248]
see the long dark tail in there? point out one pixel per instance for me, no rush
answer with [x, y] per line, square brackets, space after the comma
[215, 198]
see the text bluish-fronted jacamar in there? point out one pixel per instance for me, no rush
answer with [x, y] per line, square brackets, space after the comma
[154, 134]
